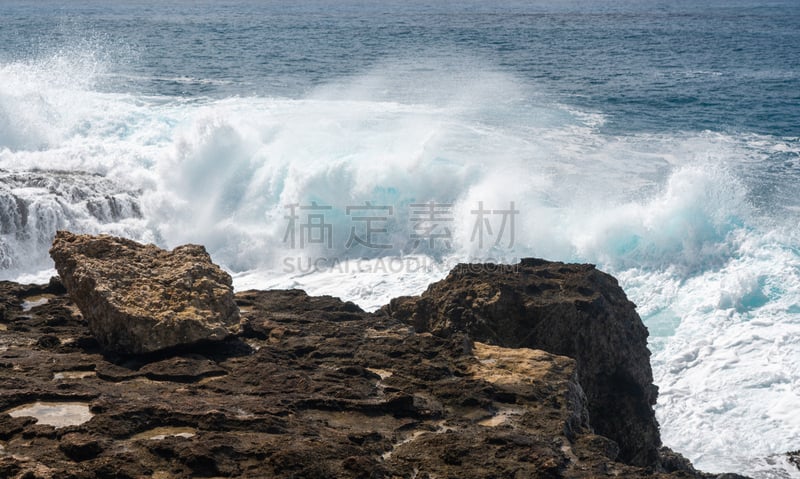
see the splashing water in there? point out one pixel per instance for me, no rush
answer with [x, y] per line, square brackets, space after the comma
[699, 226]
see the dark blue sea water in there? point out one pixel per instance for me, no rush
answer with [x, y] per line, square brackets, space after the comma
[647, 65]
[657, 139]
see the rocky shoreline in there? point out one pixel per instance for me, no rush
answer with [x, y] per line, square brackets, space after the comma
[538, 369]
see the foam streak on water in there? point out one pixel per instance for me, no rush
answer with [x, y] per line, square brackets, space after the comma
[686, 220]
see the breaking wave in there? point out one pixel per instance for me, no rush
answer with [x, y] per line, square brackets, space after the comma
[436, 168]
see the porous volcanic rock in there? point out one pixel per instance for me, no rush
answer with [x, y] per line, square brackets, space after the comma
[566, 309]
[140, 298]
[311, 387]
[314, 387]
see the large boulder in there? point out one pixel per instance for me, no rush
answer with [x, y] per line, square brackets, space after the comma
[140, 298]
[566, 309]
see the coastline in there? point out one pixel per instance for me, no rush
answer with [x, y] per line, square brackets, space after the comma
[316, 387]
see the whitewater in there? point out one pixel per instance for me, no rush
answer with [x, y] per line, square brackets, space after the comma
[699, 225]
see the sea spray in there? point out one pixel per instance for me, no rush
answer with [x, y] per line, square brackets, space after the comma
[698, 225]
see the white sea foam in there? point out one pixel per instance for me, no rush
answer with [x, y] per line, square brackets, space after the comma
[716, 276]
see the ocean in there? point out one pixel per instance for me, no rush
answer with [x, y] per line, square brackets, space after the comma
[361, 149]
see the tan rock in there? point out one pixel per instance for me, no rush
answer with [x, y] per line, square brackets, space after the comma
[140, 298]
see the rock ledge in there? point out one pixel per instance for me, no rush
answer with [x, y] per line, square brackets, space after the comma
[536, 370]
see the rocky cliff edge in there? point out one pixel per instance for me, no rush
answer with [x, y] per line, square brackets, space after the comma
[531, 370]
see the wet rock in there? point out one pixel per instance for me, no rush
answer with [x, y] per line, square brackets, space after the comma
[9, 467]
[565, 309]
[794, 458]
[139, 298]
[672, 461]
[182, 369]
[48, 341]
[311, 387]
[80, 447]
[9, 426]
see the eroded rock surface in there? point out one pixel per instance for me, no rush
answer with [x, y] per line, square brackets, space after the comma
[311, 387]
[139, 298]
[566, 309]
